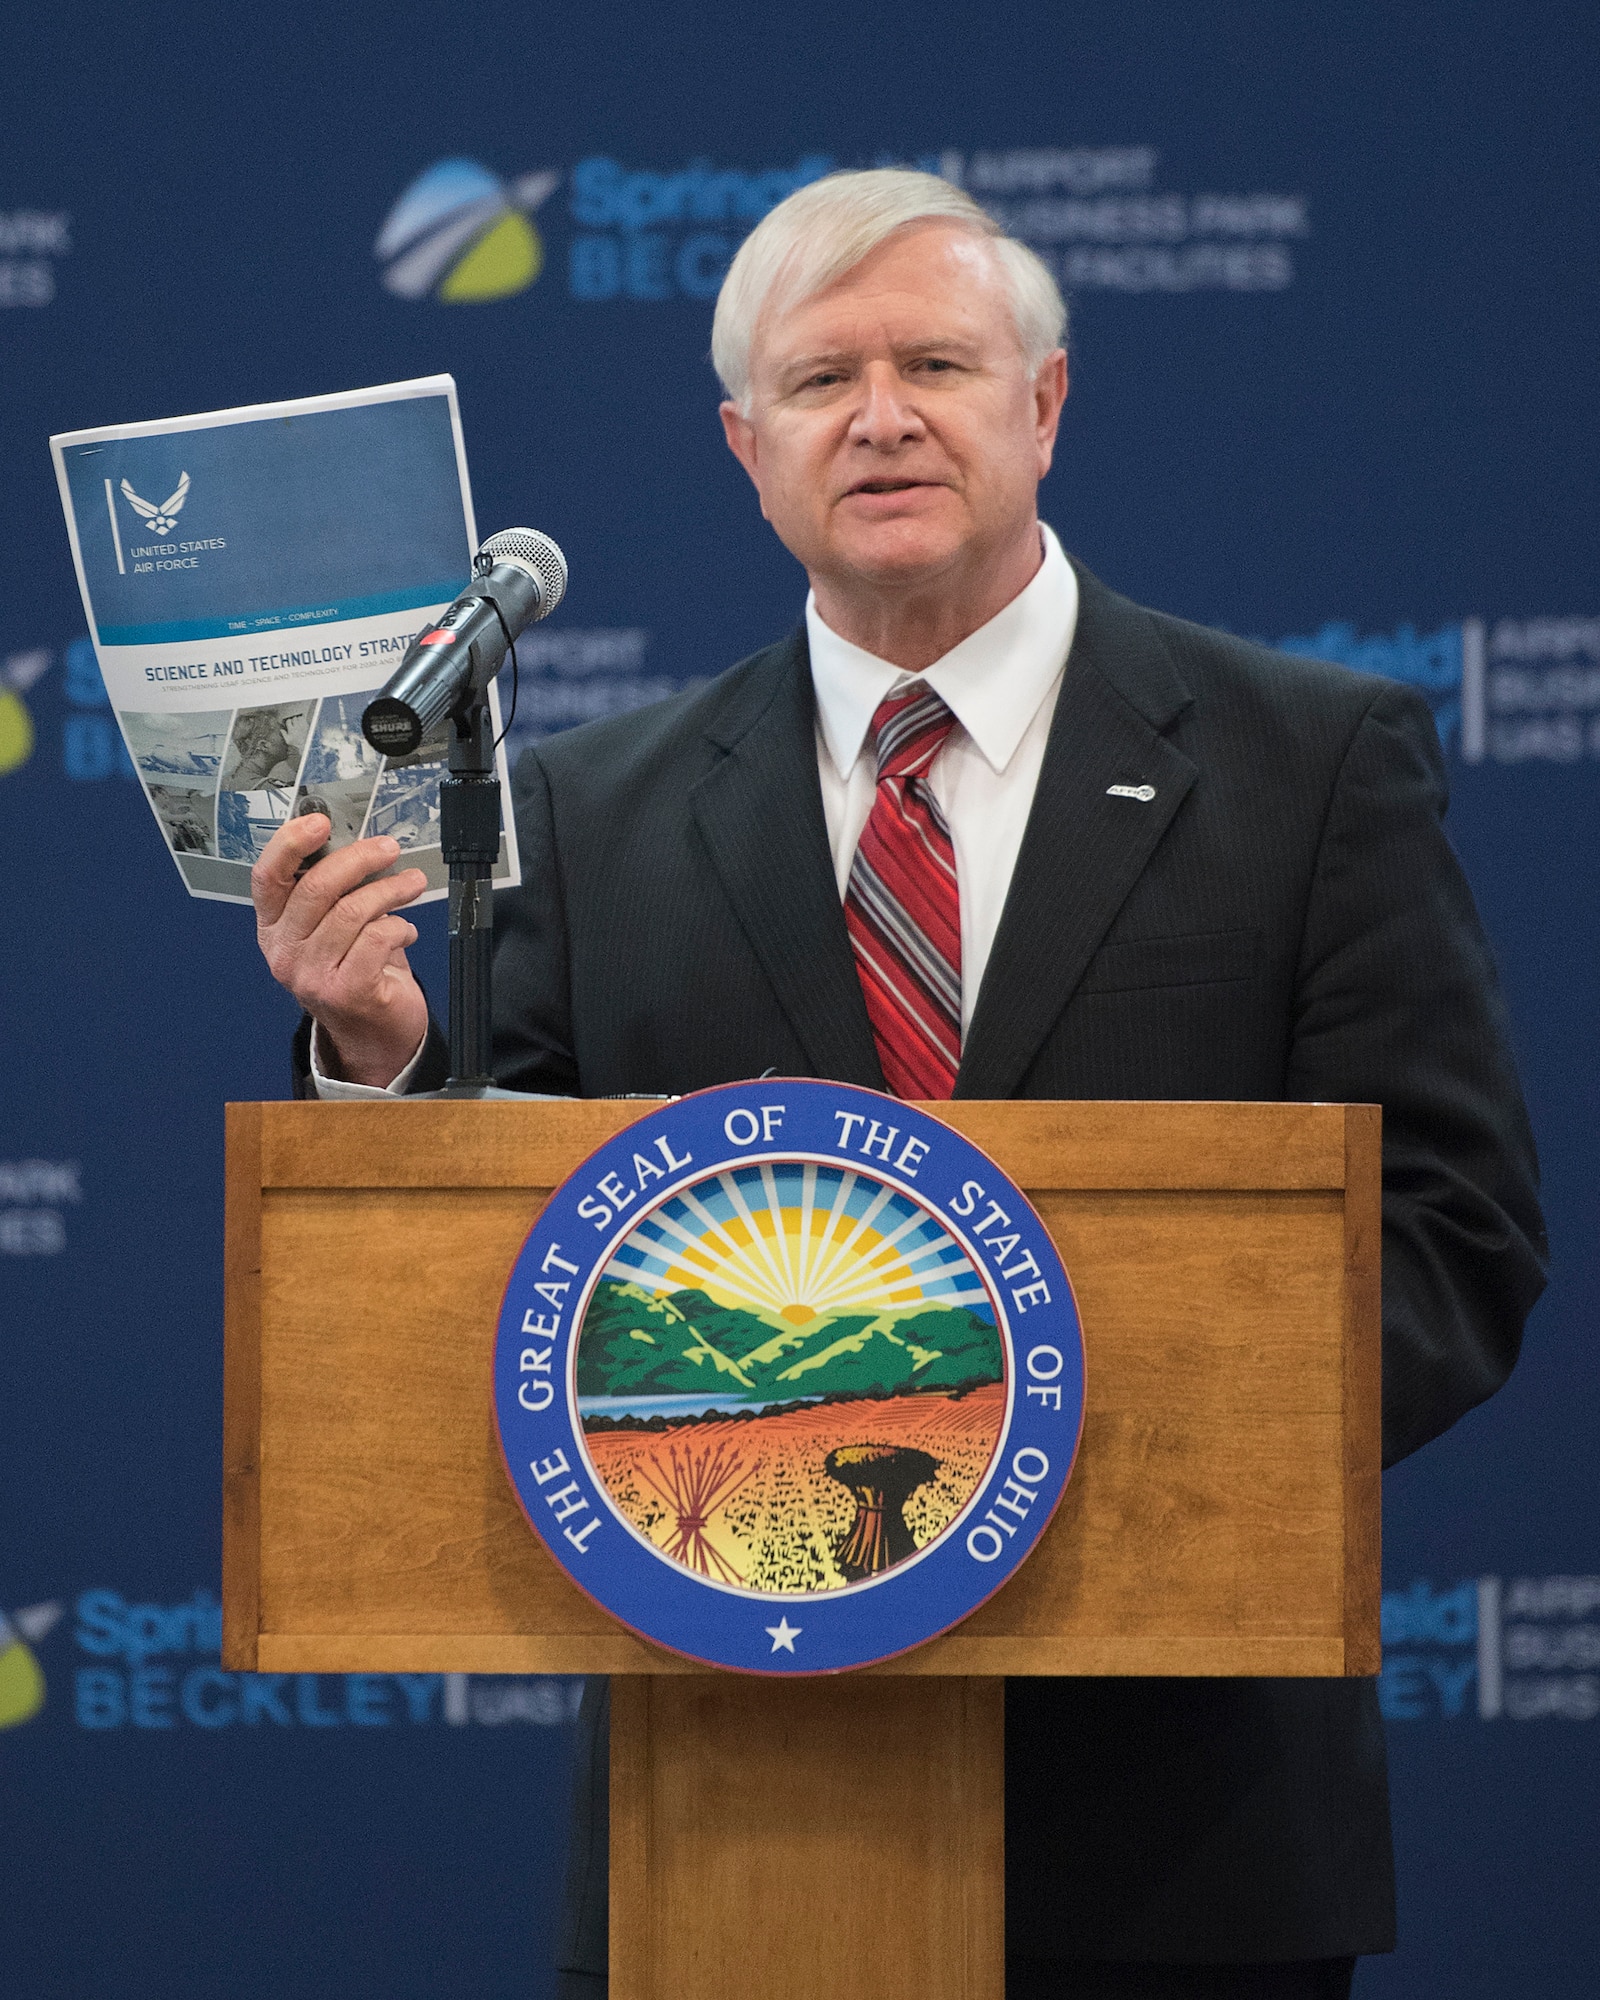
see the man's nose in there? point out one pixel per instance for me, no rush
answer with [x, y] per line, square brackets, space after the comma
[886, 414]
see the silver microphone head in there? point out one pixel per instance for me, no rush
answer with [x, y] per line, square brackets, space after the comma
[533, 552]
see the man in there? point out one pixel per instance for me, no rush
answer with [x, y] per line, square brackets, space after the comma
[984, 827]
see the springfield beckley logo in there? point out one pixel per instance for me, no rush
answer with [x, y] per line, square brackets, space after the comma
[789, 1377]
[459, 231]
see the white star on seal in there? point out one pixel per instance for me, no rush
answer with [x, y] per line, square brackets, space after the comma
[783, 1635]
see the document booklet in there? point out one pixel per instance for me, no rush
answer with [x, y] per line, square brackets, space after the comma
[251, 578]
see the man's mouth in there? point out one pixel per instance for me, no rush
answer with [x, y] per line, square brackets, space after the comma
[889, 485]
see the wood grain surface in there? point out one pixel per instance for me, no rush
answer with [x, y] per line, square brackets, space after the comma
[1222, 1517]
[831, 1836]
[241, 1389]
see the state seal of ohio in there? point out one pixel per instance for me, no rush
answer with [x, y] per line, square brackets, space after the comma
[788, 1377]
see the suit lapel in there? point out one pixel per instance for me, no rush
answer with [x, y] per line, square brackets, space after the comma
[759, 811]
[1083, 849]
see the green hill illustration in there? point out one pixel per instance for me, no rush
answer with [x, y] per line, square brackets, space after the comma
[637, 1344]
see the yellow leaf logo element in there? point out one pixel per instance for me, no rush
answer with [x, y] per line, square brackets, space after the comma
[21, 1685]
[16, 731]
[504, 261]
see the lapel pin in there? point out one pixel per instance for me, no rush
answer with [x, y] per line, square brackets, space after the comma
[1143, 793]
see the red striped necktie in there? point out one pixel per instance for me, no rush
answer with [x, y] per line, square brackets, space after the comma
[902, 907]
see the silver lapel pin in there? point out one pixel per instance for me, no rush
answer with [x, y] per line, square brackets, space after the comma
[1143, 793]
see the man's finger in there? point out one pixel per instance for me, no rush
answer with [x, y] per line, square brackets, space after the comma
[322, 887]
[272, 877]
[325, 950]
[370, 904]
[378, 945]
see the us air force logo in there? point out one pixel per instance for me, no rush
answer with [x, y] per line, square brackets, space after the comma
[163, 518]
[789, 1377]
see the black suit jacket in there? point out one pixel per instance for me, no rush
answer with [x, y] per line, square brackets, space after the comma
[1284, 919]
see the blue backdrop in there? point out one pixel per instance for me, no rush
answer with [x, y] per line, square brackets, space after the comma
[1334, 279]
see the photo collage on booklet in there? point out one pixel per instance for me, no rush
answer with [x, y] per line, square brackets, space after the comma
[221, 782]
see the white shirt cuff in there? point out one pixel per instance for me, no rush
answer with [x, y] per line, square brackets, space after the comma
[334, 1091]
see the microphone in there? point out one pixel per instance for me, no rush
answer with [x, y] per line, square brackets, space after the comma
[518, 577]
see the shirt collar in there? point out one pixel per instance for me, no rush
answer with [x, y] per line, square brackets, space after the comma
[994, 681]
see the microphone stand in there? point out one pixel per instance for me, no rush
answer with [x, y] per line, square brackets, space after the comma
[517, 577]
[469, 829]
[469, 835]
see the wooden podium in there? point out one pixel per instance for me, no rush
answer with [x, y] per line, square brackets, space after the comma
[839, 1837]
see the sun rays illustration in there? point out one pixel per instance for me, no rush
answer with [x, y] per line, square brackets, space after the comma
[798, 1241]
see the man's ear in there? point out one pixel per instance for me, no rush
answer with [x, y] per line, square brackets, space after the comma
[1049, 393]
[741, 435]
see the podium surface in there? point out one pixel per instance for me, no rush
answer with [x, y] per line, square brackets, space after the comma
[1222, 1518]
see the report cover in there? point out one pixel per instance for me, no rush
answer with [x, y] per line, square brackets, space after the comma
[251, 578]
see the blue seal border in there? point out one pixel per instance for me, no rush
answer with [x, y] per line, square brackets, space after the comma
[780, 1120]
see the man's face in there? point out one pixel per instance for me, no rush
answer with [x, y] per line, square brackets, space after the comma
[895, 436]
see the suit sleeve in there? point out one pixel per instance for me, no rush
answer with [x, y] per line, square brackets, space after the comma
[534, 1044]
[1398, 1003]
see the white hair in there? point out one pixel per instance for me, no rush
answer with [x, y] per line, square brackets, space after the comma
[827, 227]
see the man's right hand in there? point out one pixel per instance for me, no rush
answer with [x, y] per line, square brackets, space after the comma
[333, 939]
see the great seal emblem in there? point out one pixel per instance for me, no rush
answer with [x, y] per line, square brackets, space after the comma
[788, 1377]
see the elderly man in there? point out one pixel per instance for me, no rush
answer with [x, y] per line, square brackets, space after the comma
[982, 827]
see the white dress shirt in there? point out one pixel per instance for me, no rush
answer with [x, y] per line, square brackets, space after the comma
[1001, 685]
